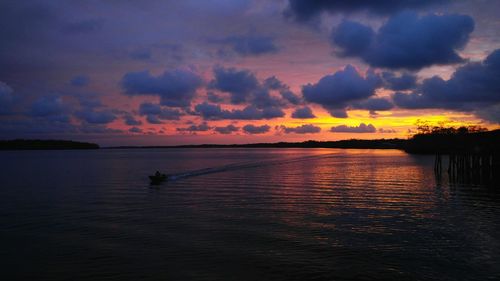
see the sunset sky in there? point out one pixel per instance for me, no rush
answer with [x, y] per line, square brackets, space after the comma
[228, 71]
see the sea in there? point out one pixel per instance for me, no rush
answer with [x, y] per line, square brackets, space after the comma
[242, 214]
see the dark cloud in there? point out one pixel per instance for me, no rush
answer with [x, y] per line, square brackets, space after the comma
[374, 104]
[149, 108]
[211, 111]
[80, 81]
[153, 119]
[47, 106]
[303, 113]
[338, 113]
[273, 83]
[131, 120]
[213, 97]
[305, 10]
[406, 40]
[362, 128]
[135, 130]
[50, 109]
[252, 129]
[251, 45]
[418, 101]
[155, 113]
[88, 100]
[261, 98]
[238, 83]
[243, 86]
[387, 131]
[226, 129]
[472, 87]
[170, 114]
[203, 127]
[303, 129]
[96, 116]
[215, 112]
[176, 88]
[405, 81]
[334, 92]
[354, 38]
[98, 129]
[291, 97]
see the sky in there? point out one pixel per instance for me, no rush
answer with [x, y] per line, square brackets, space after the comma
[227, 71]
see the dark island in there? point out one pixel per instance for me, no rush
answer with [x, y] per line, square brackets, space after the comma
[22, 144]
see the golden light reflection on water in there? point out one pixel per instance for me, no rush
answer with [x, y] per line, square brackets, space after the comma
[368, 183]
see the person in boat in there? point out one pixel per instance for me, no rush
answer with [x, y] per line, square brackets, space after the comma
[158, 174]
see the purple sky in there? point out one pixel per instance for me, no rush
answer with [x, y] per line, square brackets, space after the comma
[224, 71]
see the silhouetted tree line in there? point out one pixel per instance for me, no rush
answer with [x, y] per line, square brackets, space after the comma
[426, 128]
[21, 144]
[443, 139]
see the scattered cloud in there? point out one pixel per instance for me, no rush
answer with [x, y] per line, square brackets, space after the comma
[213, 97]
[155, 113]
[153, 119]
[334, 92]
[215, 112]
[362, 128]
[227, 129]
[303, 113]
[374, 104]
[203, 127]
[273, 83]
[176, 88]
[92, 116]
[47, 106]
[252, 129]
[135, 130]
[291, 97]
[387, 131]
[405, 81]
[131, 120]
[238, 83]
[303, 129]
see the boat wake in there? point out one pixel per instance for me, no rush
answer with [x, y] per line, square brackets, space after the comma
[242, 165]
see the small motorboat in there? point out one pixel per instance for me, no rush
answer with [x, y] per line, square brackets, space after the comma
[158, 178]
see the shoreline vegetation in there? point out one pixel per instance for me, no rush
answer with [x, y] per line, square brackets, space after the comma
[435, 140]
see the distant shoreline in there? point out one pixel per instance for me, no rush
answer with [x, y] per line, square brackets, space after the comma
[354, 143]
[418, 144]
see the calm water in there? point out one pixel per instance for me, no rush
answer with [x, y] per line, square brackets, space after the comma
[256, 214]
